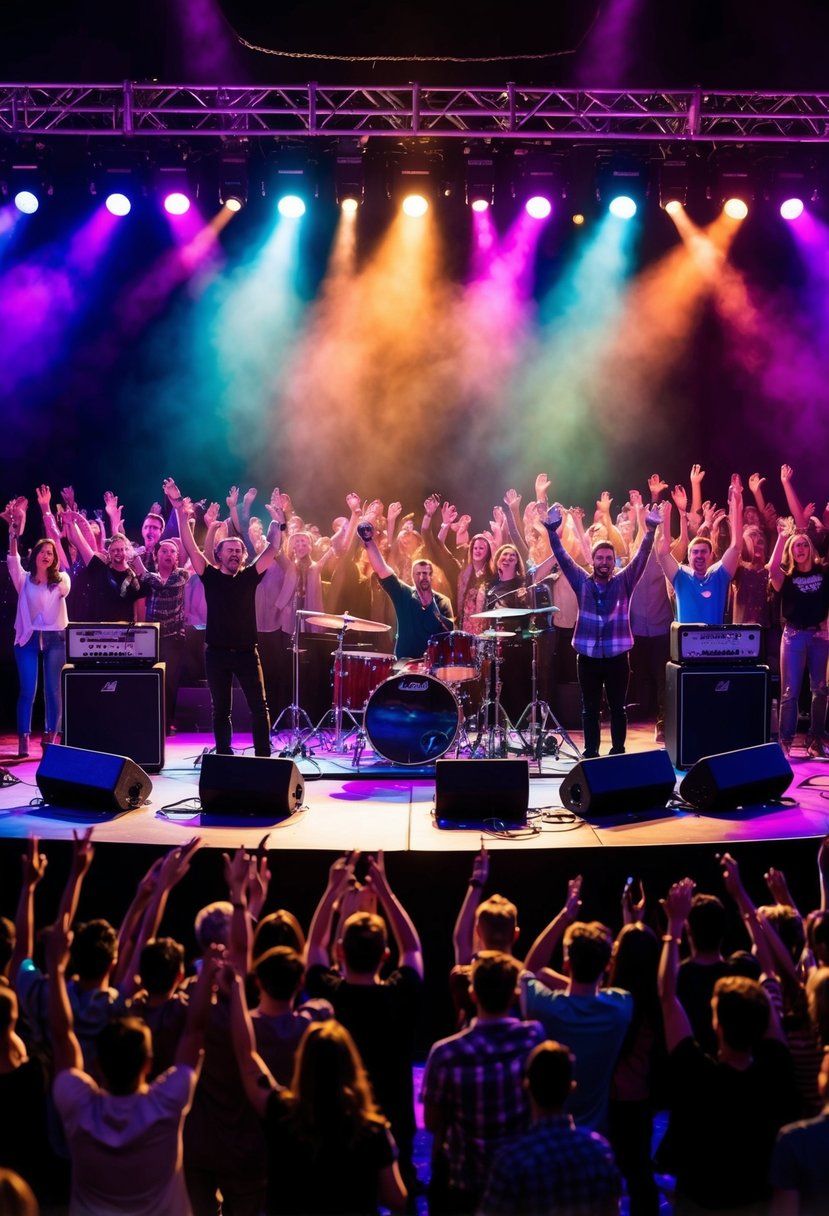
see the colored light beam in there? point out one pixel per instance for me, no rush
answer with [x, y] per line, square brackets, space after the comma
[609, 48]
[206, 44]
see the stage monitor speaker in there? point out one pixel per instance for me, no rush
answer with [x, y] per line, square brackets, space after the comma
[95, 781]
[116, 711]
[740, 778]
[613, 785]
[709, 710]
[250, 786]
[482, 794]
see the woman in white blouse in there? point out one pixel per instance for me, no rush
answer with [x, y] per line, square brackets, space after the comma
[39, 628]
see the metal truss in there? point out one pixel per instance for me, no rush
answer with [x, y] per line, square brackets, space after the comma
[511, 111]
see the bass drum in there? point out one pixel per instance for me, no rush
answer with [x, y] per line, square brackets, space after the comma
[412, 719]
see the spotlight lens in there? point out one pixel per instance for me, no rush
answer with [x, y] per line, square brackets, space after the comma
[118, 204]
[791, 208]
[349, 206]
[233, 204]
[578, 219]
[736, 209]
[623, 207]
[26, 202]
[673, 207]
[415, 205]
[176, 204]
[291, 206]
[538, 207]
[480, 204]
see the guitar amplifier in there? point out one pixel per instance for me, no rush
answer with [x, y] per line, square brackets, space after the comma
[717, 643]
[117, 711]
[709, 710]
[112, 644]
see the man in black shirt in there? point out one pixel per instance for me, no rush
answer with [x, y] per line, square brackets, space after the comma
[230, 635]
[112, 587]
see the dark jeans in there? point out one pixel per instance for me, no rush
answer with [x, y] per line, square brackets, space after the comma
[612, 675]
[221, 666]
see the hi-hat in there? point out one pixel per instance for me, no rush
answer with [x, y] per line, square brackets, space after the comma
[492, 614]
[333, 620]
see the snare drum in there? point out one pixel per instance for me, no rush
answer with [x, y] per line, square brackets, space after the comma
[453, 657]
[412, 719]
[360, 672]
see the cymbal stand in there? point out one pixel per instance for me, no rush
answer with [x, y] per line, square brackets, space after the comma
[298, 734]
[497, 729]
[540, 719]
[338, 710]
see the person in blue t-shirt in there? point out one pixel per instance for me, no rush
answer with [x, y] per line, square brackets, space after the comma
[701, 586]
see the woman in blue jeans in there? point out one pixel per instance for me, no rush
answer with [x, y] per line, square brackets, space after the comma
[39, 628]
[803, 582]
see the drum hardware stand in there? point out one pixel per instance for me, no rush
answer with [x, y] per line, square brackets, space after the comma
[298, 734]
[500, 723]
[338, 710]
[535, 732]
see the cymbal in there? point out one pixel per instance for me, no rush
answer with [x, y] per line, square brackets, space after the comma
[551, 608]
[334, 620]
[492, 614]
[498, 633]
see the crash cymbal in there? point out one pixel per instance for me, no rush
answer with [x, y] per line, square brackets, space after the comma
[498, 633]
[492, 614]
[333, 620]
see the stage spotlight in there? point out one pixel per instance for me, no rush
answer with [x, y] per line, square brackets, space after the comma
[415, 206]
[623, 207]
[118, 204]
[349, 175]
[26, 201]
[291, 206]
[673, 206]
[674, 182]
[233, 180]
[233, 204]
[792, 208]
[578, 219]
[735, 208]
[538, 207]
[479, 171]
[176, 203]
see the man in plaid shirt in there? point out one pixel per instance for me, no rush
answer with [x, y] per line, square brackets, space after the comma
[603, 638]
[556, 1168]
[473, 1091]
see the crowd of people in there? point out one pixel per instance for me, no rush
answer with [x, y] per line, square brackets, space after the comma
[274, 1071]
[232, 598]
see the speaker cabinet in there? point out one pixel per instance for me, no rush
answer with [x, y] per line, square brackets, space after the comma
[473, 793]
[739, 778]
[95, 781]
[116, 711]
[254, 786]
[614, 785]
[714, 709]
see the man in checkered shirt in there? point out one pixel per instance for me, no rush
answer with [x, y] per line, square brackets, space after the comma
[556, 1168]
[473, 1091]
[603, 638]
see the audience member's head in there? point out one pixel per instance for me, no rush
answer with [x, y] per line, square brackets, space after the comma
[706, 923]
[94, 950]
[587, 947]
[817, 992]
[364, 942]
[330, 1084]
[212, 926]
[124, 1054]
[279, 972]
[496, 922]
[548, 1076]
[279, 928]
[817, 934]
[634, 963]
[494, 980]
[741, 1012]
[788, 925]
[743, 962]
[161, 966]
[16, 1196]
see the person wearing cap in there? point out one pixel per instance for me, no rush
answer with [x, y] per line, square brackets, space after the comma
[602, 637]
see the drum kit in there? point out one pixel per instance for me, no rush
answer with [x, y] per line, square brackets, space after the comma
[413, 711]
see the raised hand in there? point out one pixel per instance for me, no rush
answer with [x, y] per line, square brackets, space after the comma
[211, 514]
[513, 499]
[249, 496]
[604, 502]
[44, 498]
[654, 517]
[34, 863]
[656, 485]
[393, 513]
[696, 474]
[552, 519]
[448, 514]
[365, 530]
[572, 904]
[677, 904]
[542, 487]
[431, 504]
[680, 498]
[68, 496]
[786, 473]
[354, 502]
[83, 851]
[633, 910]
[635, 499]
[755, 481]
[232, 497]
[171, 490]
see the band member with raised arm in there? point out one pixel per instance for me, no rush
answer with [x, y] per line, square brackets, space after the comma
[421, 612]
[230, 634]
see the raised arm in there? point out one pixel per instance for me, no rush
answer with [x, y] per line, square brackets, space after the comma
[376, 560]
[731, 557]
[801, 519]
[776, 575]
[541, 951]
[34, 867]
[50, 524]
[66, 1049]
[191, 1043]
[409, 949]
[197, 559]
[696, 476]
[274, 536]
[319, 932]
[83, 851]
[79, 535]
[675, 1019]
[464, 931]
[666, 559]
[257, 1080]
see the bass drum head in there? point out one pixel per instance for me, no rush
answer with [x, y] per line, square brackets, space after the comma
[412, 719]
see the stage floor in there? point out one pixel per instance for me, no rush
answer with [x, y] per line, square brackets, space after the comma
[381, 807]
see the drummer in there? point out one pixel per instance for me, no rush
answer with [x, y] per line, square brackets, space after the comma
[421, 612]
